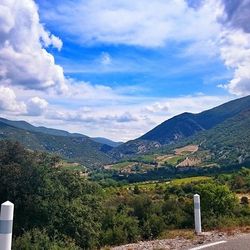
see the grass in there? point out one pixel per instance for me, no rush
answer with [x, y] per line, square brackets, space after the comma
[121, 165]
[188, 234]
[190, 179]
[147, 158]
[150, 186]
[72, 166]
[174, 160]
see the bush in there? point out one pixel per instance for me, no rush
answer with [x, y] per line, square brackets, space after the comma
[36, 239]
[216, 200]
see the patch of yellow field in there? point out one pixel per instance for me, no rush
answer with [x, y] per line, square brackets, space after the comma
[188, 148]
[163, 158]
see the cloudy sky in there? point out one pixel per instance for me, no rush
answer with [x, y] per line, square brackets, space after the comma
[117, 68]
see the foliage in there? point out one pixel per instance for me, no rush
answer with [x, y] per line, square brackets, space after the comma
[72, 147]
[45, 198]
[36, 239]
[58, 209]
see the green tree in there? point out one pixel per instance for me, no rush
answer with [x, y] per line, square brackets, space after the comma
[216, 200]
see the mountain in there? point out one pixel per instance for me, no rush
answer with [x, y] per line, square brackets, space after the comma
[182, 126]
[187, 124]
[27, 126]
[74, 147]
[107, 141]
[228, 142]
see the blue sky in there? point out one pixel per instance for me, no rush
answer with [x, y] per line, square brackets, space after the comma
[118, 68]
[155, 69]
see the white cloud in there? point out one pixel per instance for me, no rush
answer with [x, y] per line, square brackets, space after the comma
[27, 69]
[23, 39]
[157, 108]
[143, 23]
[206, 28]
[125, 121]
[105, 58]
[235, 52]
[9, 102]
[36, 106]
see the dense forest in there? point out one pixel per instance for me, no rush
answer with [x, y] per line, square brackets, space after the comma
[60, 209]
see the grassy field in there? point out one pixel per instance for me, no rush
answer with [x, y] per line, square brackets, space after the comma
[72, 166]
[150, 186]
[190, 180]
[174, 160]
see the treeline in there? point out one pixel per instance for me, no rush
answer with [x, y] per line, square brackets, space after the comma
[162, 173]
[57, 209]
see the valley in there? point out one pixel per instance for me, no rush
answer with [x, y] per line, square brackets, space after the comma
[140, 190]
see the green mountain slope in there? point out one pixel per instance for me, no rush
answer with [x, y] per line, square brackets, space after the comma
[187, 124]
[182, 126]
[27, 126]
[74, 148]
[228, 142]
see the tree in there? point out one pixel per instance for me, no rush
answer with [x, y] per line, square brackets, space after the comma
[216, 200]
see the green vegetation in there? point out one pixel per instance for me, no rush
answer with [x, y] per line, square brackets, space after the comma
[72, 147]
[59, 209]
[58, 202]
[72, 166]
[222, 133]
[174, 160]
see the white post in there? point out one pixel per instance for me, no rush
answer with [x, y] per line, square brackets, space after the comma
[197, 214]
[6, 224]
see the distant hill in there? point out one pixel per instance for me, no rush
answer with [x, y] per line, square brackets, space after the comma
[183, 126]
[107, 141]
[74, 147]
[27, 126]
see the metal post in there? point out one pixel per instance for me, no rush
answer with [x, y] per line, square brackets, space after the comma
[6, 224]
[197, 214]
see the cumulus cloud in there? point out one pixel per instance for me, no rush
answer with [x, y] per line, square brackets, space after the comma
[235, 52]
[206, 27]
[26, 67]
[157, 108]
[238, 13]
[234, 45]
[9, 102]
[23, 58]
[92, 117]
[36, 106]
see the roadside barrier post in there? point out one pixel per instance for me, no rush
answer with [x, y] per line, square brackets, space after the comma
[6, 224]
[197, 214]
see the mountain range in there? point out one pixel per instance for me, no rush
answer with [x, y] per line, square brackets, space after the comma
[71, 146]
[223, 130]
[228, 121]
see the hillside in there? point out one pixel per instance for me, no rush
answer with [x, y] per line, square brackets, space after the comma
[27, 126]
[228, 142]
[106, 141]
[70, 146]
[183, 126]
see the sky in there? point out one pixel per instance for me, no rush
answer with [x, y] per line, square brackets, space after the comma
[118, 68]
